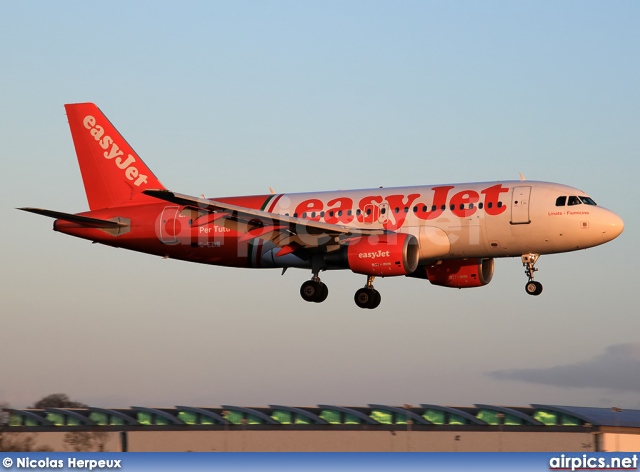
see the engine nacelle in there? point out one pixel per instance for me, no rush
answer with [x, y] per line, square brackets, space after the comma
[461, 273]
[385, 256]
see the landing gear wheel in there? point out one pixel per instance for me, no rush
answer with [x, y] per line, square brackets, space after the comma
[322, 294]
[312, 291]
[533, 287]
[367, 298]
[376, 299]
[363, 297]
[529, 263]
[309, 290]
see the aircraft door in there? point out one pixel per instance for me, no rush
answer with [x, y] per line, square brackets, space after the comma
[520, 205]
[168, 225]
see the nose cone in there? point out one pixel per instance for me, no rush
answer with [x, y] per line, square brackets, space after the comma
[612, 226]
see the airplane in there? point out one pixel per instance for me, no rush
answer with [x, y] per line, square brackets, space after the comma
[447, 234]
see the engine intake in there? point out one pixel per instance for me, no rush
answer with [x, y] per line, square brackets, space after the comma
[386, 256]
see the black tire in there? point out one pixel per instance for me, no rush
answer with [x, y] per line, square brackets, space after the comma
[375, 300]
[309, 290]
[533, 288]
[363, 297]
[322, 294]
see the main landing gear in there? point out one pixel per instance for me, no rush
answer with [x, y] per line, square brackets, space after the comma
[368, 297]
[315, 291]
[529, 261]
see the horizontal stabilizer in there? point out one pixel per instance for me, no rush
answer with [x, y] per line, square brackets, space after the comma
[81, 220]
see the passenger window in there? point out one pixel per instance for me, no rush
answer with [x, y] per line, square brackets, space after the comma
[574, 201]
[480, 205]
[499, 204]
[383, 210]
[561, 201]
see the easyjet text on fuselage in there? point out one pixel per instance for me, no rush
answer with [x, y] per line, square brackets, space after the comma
[463, 204]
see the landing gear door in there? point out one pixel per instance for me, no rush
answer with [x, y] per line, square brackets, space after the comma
[520, 206]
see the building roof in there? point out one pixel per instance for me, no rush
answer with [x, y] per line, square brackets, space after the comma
[374, 415]
[598, 416]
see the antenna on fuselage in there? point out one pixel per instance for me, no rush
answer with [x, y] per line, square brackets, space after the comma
[522, 176]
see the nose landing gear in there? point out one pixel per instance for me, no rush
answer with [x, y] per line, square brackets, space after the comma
[529, 261]
[368, 297]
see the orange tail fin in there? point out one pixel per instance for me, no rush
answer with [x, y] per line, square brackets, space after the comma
[112, 172]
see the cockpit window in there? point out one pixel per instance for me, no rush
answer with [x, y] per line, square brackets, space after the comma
[573, 200]
[588, 201]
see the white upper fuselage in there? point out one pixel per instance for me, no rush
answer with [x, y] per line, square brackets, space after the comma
[490, 219]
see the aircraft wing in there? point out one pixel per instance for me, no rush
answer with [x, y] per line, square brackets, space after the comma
[286, 232]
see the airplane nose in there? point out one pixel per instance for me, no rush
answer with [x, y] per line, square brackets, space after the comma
[612, 227]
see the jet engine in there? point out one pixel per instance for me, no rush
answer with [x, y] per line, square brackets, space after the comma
[459, 273]
[385, 256]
